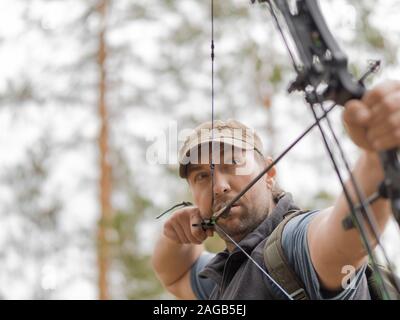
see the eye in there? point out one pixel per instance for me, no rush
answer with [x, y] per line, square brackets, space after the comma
[201, 176]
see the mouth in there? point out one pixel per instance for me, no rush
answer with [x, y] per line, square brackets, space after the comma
[222, 206]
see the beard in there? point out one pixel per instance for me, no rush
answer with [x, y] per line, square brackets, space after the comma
[240, 224]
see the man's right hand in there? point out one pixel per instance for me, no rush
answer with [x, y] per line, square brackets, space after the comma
[179, 229]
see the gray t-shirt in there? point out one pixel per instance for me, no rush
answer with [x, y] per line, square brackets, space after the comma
[295, 246]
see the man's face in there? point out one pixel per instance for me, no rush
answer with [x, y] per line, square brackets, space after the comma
[234, 170]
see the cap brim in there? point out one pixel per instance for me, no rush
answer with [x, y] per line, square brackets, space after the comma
[241, 144]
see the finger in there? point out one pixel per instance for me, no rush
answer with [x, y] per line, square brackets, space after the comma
[386, 127]
[186, 227]
[198, 232]
[375, 96]
[388, 142]
[171, 234]
[180, 233]
[357, 113]
[388, 106]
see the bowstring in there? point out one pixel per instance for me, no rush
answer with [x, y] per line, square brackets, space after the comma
[285, 40]
[212, 165]
[221, 230]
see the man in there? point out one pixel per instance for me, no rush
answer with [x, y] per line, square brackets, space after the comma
[316, 245]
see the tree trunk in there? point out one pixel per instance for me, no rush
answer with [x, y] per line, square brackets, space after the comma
[104, 224]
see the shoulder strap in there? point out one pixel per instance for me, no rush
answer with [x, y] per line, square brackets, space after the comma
[279, 268]
[390, 282]
[276, 262]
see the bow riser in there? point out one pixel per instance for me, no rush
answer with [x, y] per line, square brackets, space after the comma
[322, 60]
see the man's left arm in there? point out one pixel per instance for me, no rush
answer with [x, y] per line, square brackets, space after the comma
[373, 124]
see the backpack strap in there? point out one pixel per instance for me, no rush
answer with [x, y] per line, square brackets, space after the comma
[390, 282]
[280, 270]
[276, 262]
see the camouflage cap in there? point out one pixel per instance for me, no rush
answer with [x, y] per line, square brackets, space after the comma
[230, 132]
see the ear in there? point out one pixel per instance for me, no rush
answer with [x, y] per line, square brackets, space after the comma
[270, 176]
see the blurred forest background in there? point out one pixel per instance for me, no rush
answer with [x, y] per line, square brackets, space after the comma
[87, 86]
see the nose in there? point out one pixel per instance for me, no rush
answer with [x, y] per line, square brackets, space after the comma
[221, 184]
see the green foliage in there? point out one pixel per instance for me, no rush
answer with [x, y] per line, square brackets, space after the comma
[138, 280]
[37, 213]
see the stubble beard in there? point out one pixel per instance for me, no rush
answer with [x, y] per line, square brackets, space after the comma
[239, 227]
